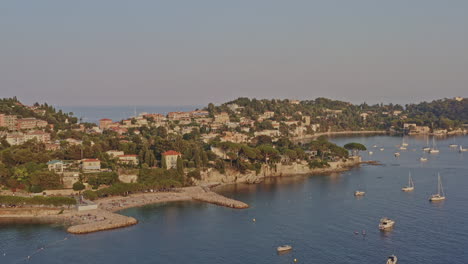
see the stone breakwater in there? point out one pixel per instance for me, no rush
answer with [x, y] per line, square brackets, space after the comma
[106, 218]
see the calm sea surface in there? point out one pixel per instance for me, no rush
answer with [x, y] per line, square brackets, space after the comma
[317, 215]
[92, 114]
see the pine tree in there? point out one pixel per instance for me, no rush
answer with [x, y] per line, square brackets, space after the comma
[180, 165]
[163, 163]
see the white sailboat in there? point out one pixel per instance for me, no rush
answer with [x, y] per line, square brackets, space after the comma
[462, 149]
[427, 148]
[440, 195]
[434, 149]
[410, 186]
[404, 144]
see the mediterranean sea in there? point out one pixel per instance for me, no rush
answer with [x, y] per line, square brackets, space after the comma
[317, 215]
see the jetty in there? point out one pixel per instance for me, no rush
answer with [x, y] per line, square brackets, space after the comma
[106, 216]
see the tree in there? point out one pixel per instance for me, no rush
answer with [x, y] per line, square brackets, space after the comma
[180, 166]
[78, 186]
[355, 147]
[164, 163]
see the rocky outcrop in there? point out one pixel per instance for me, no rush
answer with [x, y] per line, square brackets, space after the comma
[279, 170]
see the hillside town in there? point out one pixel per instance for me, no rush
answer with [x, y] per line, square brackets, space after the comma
[42, 148]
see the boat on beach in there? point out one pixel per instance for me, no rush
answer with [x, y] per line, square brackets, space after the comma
[392, 259]
[410, 186]
[386, 223]
[440, 195]
[283, 248]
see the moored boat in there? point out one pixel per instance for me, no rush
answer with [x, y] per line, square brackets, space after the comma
[359, 193]
[397, 154]
[392, 259]
[440, 195]
[283, 248]
[422, 159]
[386, 223]
[410, 186]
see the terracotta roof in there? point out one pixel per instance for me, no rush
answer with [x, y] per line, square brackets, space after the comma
[105, 119]
[171, 153]
[90, 160]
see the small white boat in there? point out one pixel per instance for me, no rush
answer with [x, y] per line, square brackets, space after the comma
[283, 248]
[423, 159]
[359, 193]
[374, 146]
[397, 154]
[410, 186]
[426, 149]
[403, 148]
[370, 152]
[386, 223]
[461, 149]
[434, 151]
[381, 149]
[453, 145]
[392, 260]
[440, 195]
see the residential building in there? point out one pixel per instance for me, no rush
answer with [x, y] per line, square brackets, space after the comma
[105, 123]
[56, 166]
[128, 159]
[89, 165]
[171, 158]
[30, 123]
[234, 137]
[177, 116]
[221, 118]
[40, 136]
[115, 153]
[294, 102]
[199, 114]
[8, 121]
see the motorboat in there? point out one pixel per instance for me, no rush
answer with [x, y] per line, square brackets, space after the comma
[440, 195]
[359, 193]
[392, 259]
[370, 152]
[283, 248]
[410, 186]
[397, 154]
[386, 223]
[423, 159]
[381, 149]
[461, 149]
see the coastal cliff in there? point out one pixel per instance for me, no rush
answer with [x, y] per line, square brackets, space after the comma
[279, 170]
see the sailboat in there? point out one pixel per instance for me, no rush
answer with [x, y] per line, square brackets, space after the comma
[427, 148]
[434, 149]
[440, 195]
[462, 149]
[410, 186]
[453, 145]
[404, 144]
[392, 260]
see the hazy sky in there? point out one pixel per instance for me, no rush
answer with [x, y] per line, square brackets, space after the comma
[111, 52]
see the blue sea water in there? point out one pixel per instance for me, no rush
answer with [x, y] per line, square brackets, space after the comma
[92, 114]
[317, 215]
